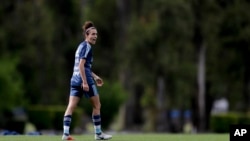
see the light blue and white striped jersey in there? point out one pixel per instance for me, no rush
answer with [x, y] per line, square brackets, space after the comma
[84, 51]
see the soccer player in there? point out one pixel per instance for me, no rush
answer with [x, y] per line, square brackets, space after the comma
[84, 82]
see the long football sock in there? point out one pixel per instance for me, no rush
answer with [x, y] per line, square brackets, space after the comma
[97, 124]
[66, 124]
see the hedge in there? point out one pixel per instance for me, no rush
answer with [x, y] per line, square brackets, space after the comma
[51, 117]
[221, 123]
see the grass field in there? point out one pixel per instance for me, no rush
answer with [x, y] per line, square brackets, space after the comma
[127, 137]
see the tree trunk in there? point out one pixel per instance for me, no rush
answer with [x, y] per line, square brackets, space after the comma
[198, 40]
[246, 79]
[161, 102]
[201, 87]
[124, 72]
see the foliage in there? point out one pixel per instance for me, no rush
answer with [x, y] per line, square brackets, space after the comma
[163, 49]
[34, 33]
[220, 123]
[107, 25]
[11, 84]
[51, 117]
[138, 42]
[226, 59]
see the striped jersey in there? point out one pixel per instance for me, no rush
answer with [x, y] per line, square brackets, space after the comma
[84, 51]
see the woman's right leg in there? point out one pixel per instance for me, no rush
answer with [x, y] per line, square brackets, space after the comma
[73, 101]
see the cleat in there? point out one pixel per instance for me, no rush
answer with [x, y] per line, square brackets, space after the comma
[103, 137]
[67, 138]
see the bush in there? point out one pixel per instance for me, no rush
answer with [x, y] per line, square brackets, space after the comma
[51, 117]
[221, 123]
[13, 121]
[11, 84]
[244, 119]
[112, 96]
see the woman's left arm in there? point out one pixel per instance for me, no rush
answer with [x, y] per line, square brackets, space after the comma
[98, 80]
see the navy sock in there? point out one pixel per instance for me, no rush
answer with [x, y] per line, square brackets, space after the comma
[97, 124]
[66, 124]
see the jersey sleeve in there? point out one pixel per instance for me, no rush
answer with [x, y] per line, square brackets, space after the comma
[84, 52]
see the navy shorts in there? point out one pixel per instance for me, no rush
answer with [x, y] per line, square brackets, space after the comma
[78, 91]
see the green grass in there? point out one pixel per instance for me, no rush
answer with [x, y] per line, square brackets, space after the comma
[127, 137]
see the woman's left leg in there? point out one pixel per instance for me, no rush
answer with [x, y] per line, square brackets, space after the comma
[96, 117]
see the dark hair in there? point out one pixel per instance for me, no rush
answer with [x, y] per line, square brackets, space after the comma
[87, 25]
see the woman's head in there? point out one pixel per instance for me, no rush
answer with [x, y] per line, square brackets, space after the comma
[90, 32]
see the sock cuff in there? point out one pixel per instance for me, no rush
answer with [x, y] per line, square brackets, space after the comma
[96, 116]
[70, 116]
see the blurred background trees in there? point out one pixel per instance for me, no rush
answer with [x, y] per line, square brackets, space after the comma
[159, 56]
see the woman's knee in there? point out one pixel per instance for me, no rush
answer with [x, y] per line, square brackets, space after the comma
[72, 105]
[97, 106]
[73, 101]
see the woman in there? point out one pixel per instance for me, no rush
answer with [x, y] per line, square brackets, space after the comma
[83, 82]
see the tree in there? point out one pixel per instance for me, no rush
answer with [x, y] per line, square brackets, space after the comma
[42, 38]
[155, 56]
[234, 33]
[11, 82]
[201, 48]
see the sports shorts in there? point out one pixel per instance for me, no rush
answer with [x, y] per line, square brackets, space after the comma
[79, 92]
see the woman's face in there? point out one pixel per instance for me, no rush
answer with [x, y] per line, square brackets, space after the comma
[91, 37]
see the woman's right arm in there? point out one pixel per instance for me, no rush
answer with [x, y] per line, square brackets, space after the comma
[83, 76]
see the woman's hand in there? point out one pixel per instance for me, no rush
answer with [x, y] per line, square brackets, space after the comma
[85, 86]
[99, 81]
